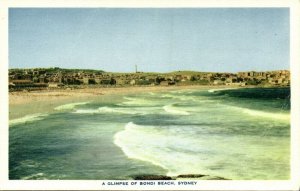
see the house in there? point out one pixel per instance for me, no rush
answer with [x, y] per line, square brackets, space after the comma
[132, 82]
[86, 81]
[54, 85]
[164, 83]
[21, 83]
[218, 82]
[167, 83]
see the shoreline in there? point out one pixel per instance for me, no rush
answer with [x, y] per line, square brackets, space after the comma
[117, 126]
[25, 103]
[23, 97]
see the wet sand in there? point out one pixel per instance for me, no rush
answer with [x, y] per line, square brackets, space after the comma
[26, 103]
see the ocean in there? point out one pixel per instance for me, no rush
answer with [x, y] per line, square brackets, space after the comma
[238, 134]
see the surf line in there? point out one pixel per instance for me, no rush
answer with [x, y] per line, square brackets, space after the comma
[120, 141]
[70, 106]
[27, 118]
[171, 109]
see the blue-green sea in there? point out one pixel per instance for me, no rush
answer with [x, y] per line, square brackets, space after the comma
[239, 134]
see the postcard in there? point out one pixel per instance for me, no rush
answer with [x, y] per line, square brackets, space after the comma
[150, 96]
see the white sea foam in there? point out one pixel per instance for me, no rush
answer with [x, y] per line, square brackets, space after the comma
[129, 111]
[176, 111]
[167, 95]
[129, 146]
[137, 102]
[33, 176]
[163, 148]
[105, 110]
[70, 106]
[170, 109]
[130, 98]
[86, 111]
[177, 151]
[263, 114]
[116, 110]
[180, 97]
[221, 89]
[27, 118]
[278, 116]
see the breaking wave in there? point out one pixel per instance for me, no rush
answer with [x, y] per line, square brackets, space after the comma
[129, 139]
[138, 102]
[27, 118]
[162, 147]
[221, 89]
[70, 106]
[278, 116]
[180, 97]
[214, 134]
[129, 111]
[263, 114]
[34, 176]
[169, 109]
[152, 144]
[176, 111]
[178, 151]
[105, 110]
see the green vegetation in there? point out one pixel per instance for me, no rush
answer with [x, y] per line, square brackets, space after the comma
[59, 77]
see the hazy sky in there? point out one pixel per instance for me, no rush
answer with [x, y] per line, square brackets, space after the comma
[160, 40]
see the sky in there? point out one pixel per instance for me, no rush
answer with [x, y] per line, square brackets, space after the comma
[154, 39]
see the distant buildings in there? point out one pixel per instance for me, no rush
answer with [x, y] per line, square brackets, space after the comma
[280, 77]
[41, 78]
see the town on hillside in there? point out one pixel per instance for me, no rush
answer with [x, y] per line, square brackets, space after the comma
[50, 78]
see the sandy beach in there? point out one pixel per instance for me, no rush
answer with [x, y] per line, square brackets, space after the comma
[26, 103]
[24, 97]
[127, 133]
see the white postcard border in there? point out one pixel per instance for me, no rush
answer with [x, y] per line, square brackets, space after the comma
[292, 184]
